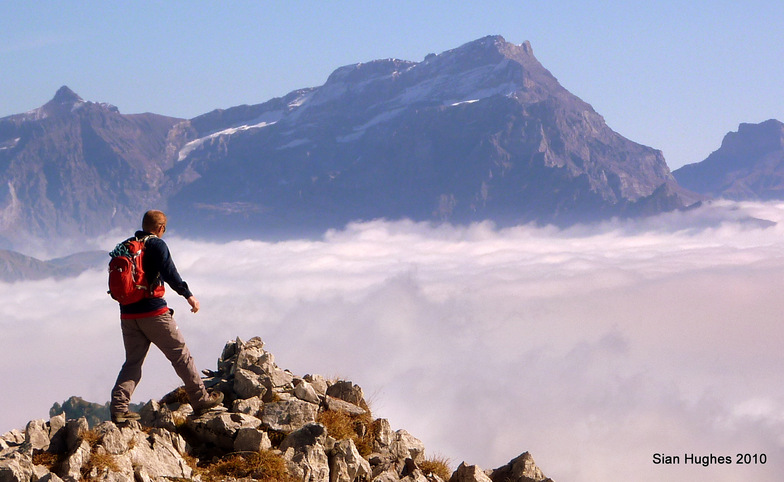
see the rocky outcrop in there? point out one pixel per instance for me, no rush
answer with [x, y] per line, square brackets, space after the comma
[749, 165]
[273, 425]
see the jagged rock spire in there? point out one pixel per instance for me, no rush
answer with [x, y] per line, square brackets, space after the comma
[65, 95]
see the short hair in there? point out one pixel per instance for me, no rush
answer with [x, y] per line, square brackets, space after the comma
[153, 220]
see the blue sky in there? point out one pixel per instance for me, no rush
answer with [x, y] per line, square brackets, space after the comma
[676, 76]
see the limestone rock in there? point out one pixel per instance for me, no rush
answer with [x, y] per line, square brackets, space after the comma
[249, 384]
[346, 464]
[114, 440]
[271, 410]
[305, 391]
[77, 458]
[149, 413]
[250, 406]
[251, 440]
[338, 405]
[348, 392]
[469, 473]
[221, 428]
[318, 382]
[57, 433]
[309, 434]
[16, 467]
[37, 434]
[171, 417]
[74, 430]
[50, 477]
[520, 469]
[384, 435]
[159, 455]
[288, 415]
[416, 476]
[14, 436]
[386, 476]
[306, 454]
[406, 446]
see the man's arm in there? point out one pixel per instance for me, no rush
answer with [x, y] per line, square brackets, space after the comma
[167, 269]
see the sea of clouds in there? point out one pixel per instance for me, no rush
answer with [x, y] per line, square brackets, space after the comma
[594, 348]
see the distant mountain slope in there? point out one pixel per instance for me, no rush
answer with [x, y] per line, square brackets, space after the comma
[18, 267]
[72, 167]
[749, 165]
[479, 132]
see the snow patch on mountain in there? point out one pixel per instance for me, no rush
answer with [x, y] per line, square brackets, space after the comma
[264, 120]
[294, 143]
[300, 99]
[9, 144]
[464, 102]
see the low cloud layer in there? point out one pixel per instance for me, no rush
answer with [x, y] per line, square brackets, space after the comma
[592, 348]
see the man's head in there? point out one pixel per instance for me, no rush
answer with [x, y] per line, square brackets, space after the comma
[154, 222]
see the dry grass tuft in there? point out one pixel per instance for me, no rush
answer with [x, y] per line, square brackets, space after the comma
[91, 436]
[176, 396]
[100, 462]
[359, 428]
[47, 459]
[339, 424]
[265, 466]
[436, 465]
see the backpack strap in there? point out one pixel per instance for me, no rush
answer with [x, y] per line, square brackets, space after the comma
[145, 238]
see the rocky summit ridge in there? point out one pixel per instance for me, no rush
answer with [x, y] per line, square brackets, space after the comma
[273, 426]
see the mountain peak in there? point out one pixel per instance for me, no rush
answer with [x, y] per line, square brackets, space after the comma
[64, 101]
[65, 95]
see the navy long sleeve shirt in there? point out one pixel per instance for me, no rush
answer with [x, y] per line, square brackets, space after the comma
[158, 268]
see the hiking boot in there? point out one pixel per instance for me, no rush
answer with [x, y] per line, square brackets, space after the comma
[213, 400]
[125, 417]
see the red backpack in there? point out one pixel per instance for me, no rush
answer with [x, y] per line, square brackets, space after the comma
[127, 281]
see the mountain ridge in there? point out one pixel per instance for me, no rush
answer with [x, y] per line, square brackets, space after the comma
[479, 132]
[73, 168]
[15, 266]
[353, 116]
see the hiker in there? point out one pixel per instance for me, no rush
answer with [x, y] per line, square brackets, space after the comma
[150, 321]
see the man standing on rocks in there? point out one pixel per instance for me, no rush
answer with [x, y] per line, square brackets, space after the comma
[150, 321]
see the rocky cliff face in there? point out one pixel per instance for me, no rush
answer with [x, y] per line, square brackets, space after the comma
[273, 426]
[749, 165]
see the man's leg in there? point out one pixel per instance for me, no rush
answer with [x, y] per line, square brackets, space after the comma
[136, 348]
[163, 332]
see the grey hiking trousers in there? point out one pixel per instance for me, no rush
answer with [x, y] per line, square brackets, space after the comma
[162, 331]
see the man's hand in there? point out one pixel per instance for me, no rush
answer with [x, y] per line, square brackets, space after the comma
[194, 304]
